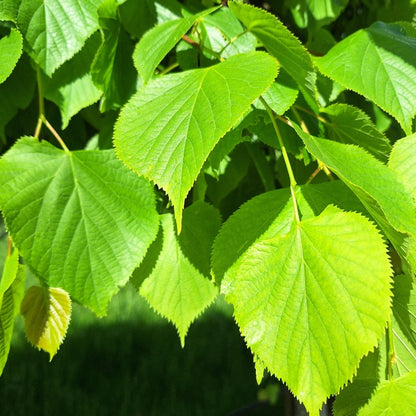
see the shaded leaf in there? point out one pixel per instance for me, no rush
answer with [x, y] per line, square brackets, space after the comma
[379, 63]
[75, 219]
[47, 312]
[351, 125]
[175, 288]
[71, 87]
[310, 299]
[182, 117]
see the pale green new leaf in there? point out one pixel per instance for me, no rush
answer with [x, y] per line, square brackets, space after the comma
[81, 220]
[379, 63]
[56, 30]
[157, 42]
[47, 312]
[175, 288]
[11, 294]
[311, 302]
[403, 161]
[393, 398]
[349, 124]
[71, 87]
[10, 51]
[169, 127]
[382, 193]
[282, 44]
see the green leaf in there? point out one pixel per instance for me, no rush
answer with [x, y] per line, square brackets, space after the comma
[380, 64]
[281, 95]
[382, 193]
[11, 293]
[403, 161]
[358, 393]
[56, 30]
[16, 92]
[157, 42]
[223, 32]
[112, 70]
[245, 226]
[47, 312]
[10, 50]
[311, 299]
[169, 127]
[392, 398]
[71, 87]
[201, 223]
[9, 9]
[349, 124]
[282, 44]
[175, 288]
[74, 218]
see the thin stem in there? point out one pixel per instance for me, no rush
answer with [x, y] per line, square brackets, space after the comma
[41, 103]
[200, 46]
[55, 133]
[305, 110]
[391, 351]
[285, 158]
[169, 68]
[9, 247]
[303, 126]
[232, 41]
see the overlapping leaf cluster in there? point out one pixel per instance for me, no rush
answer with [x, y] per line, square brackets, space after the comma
[194, 150]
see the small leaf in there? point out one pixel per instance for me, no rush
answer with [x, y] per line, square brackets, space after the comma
[9, 9]
[403, 161]
[351, 125]
[10, 51]
[46, 311]
[75, 219]
[175, 288]
[282, 44]
[157, 42]
[57, 29]
[71, 87]
[379, 63]
[11, 294]
[312, 299]
[169, 127]
[392, 398]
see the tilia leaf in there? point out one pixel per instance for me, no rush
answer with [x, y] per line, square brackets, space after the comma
[379, 63]
[175, 288]
[47, 312]
[310, 299]
[403, 161]
[282, 44]
[158, 41]
[392, 398]
[56, 29]
[10, 51]
[382, 193]
[11, 293]
[75, 219]
[167, 130]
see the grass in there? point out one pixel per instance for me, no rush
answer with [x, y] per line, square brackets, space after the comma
[131, 363]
